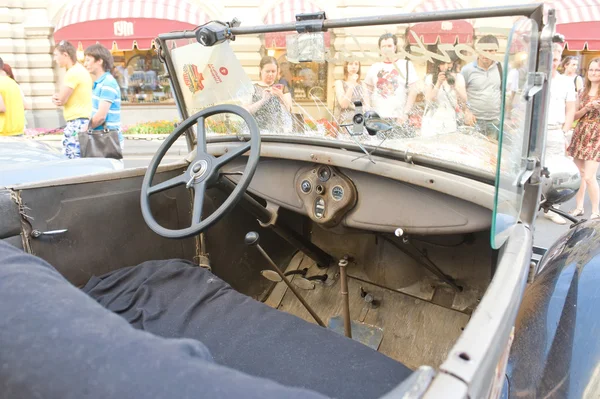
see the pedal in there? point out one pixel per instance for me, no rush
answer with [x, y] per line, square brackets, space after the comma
[271, 276]
[309, 283]
[304, 283]
[274, 277]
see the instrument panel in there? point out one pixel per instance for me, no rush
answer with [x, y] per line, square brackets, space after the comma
[327, 194]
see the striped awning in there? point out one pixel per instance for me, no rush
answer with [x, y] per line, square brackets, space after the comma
[438, 5]
[285, 12]
[574, 11]
[125, 22]
[440, 31]
[579, 22]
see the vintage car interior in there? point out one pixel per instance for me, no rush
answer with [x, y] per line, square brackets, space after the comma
[418, 246]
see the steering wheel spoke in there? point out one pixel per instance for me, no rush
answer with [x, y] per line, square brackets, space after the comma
[199, 191]
[173, 182]
[225, 159]
[201, 135]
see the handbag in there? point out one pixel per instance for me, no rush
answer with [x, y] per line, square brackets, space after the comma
[100, 144]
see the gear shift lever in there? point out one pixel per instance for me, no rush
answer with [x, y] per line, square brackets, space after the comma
[252, 239]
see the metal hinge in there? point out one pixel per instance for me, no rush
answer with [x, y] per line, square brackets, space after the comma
[527, 173]
[537, 79]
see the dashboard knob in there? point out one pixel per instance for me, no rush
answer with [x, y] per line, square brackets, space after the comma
[306, 186]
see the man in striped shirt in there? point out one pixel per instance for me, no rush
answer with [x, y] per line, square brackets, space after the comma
[106, 94]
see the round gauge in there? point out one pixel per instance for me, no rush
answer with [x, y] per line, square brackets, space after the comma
[337, 193]
[324, 173]
[305, 186]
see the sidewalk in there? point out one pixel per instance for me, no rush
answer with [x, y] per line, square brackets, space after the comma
[135, 144]
[148, 137]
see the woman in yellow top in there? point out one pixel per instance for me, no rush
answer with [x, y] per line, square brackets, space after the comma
[12, 111]
[75, 97]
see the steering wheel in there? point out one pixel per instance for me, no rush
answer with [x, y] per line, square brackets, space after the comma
[202, 173]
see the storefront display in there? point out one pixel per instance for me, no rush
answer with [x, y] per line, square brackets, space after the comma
[128, 29]
[307, 81]
[141, 76]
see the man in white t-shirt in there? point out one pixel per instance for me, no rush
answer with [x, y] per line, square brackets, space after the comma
[561, 112]
[391, 83]
[515, 82]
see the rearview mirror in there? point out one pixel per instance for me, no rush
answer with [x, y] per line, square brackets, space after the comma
[375, 124]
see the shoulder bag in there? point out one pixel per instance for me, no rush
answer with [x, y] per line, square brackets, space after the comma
[100, 144]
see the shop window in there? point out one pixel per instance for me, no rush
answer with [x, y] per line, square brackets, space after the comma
[142, 77]
[307, 81]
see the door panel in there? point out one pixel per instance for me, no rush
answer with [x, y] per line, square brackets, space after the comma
[105, 228]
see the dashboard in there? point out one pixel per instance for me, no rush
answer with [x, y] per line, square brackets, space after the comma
[333, 196]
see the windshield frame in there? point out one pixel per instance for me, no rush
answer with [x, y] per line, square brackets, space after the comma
[533, 11]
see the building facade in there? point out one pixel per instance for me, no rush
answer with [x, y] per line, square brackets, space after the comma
[30, 28]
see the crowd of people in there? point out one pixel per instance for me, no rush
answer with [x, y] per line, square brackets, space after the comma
[390, 88]
[90, 96]
[471, 96]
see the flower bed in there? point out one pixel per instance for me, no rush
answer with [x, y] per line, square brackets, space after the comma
[155, 127]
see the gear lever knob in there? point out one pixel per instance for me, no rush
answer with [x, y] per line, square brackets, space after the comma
[251, 238]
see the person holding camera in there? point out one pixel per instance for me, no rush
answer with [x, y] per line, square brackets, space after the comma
[391, 84]
[444, 95]
[347, 92]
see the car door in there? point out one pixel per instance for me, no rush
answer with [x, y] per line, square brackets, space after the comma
[92, 225]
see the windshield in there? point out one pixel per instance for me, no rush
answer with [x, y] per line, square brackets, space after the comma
[431, 90]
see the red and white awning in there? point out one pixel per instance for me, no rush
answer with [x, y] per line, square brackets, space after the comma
[438, 5]
[579, 22]
[125, 22]
[285, 12]
[440, 31]
[574, 11]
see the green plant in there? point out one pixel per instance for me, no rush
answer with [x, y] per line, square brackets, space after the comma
[156, 127]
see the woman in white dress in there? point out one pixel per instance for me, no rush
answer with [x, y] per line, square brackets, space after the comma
[445, 93]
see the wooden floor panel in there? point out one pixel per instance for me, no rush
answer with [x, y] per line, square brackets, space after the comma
[416, 332]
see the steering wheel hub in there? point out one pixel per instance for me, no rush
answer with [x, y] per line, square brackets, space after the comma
[199, 168]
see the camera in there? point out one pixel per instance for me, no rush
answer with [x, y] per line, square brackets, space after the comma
[358, 119]
[450, 78]
[213, 33]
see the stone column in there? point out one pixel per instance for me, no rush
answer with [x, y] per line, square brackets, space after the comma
[25, 44]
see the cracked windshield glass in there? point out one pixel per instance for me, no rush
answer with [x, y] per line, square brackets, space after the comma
[430, 89]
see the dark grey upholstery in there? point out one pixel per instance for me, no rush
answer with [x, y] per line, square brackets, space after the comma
[10, 220]
[175, 299]
[58, 343]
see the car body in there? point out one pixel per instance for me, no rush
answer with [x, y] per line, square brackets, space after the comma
[436, 230]
[24, 160]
